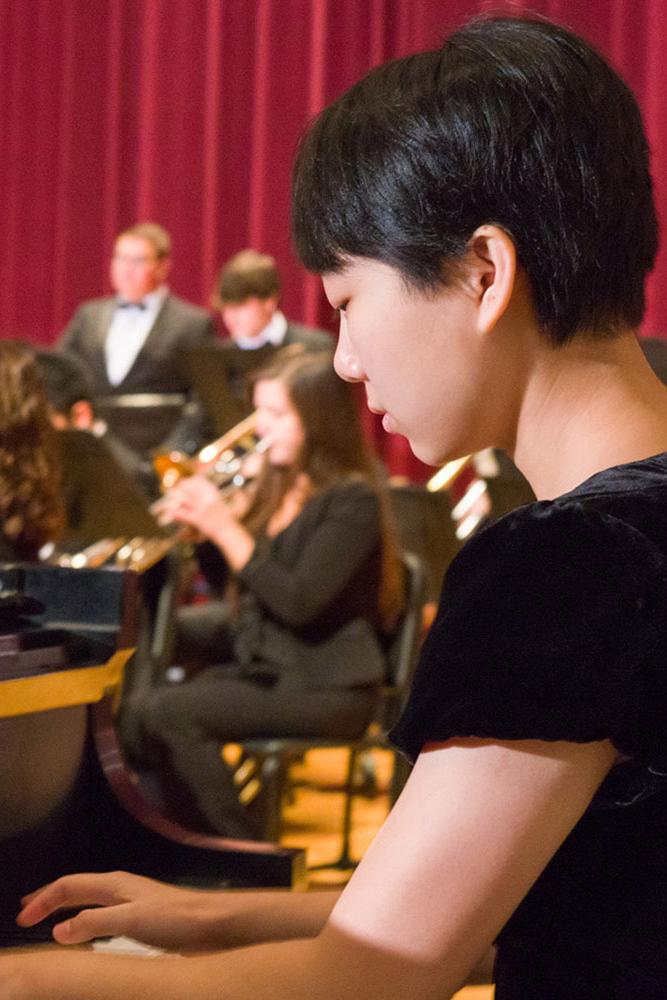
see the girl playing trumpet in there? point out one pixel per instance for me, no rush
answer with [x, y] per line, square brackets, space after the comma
[315, 581]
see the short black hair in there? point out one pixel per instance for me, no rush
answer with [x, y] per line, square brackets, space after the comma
[247, 275]
[515, 122]
[65, 380]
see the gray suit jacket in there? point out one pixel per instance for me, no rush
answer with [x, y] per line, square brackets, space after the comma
[157, 369]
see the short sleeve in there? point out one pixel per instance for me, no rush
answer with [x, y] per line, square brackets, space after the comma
[551, 626]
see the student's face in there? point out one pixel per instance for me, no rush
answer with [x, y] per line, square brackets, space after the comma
[135, 268]
[248, 318]
[415, 353]
[278, 421]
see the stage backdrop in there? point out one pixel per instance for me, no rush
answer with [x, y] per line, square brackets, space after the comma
[188, 111]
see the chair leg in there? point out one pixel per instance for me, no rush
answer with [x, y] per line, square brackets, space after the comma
[366, 775]
[345, 861]
[274, 769]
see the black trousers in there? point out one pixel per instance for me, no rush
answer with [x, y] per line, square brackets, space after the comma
[204, 634]
[178, 731]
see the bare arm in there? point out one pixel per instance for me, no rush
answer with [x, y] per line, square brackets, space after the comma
[476, 824]
[172, 917]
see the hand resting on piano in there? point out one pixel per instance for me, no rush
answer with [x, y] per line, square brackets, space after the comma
[170, 917]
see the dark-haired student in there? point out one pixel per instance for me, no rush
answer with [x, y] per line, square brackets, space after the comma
[247, 294]
[483, 219]
[316, 579]
[31, 505]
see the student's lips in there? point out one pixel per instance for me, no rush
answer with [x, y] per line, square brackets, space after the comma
[388, 421]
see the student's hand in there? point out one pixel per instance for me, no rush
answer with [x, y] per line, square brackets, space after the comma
[195, 501]
[118, 903]
[166, 916]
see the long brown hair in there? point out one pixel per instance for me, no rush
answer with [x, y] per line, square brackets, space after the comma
[334, 449]
[31, 506]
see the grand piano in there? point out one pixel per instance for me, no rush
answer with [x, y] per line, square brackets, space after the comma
[67, 800]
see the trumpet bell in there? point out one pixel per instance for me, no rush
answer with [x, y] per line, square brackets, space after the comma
[170, 467]
[219, 459]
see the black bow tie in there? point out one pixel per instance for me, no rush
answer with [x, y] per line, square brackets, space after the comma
[122, 304]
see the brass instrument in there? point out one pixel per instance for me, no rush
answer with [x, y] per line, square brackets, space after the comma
[447, 474]
[138, 553]
[226, 462]
[473, 504]
[211, 460]
[221, 461]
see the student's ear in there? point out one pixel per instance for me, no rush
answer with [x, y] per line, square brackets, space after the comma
[492, 258]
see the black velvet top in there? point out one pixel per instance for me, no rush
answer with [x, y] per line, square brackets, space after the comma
[553, 626]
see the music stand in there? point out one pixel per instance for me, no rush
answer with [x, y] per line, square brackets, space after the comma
[100, 500]
[425, 527]
[219, 374]
[141, 420]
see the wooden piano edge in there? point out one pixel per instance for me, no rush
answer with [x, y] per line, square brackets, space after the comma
[62, 688]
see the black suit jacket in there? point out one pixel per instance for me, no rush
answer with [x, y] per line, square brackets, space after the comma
[309, 595]
[178, 326]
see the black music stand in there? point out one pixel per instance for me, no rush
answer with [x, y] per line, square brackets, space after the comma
[509, 489]
[655, 352]
[425, 527]
[101, 500]
[219, 374]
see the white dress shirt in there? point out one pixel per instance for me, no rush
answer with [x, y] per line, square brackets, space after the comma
[129, 328]
[273, 333]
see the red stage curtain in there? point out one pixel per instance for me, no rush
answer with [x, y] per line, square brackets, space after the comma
[188, 112]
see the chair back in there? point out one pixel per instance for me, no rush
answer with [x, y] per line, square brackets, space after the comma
[403, 646]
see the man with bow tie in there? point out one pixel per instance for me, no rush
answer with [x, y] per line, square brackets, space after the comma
[132, 342]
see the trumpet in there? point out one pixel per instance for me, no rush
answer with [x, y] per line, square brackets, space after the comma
[227, 463]
[220, 458]
[223, 461]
